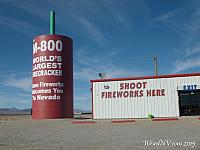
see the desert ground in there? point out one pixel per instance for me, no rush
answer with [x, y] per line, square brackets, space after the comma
[22, 133]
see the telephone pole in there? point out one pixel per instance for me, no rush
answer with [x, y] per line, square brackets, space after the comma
[155, 65]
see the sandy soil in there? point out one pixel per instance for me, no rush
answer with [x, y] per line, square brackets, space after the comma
[21, 133]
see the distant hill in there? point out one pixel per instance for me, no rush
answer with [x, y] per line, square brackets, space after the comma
[14, 111]
[81, 111]
[28, 111]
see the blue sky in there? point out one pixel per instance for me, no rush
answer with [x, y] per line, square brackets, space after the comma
[116, 37]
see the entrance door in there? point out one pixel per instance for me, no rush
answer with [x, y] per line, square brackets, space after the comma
[189, 102]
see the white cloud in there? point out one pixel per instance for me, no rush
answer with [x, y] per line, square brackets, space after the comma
[83, 102]
[24, 83]
[31, 7]
[19, 25]
[25, 101]
[82, 97]
[122, 14]
[92, 30]
[15, 102]
[175, 20]
[189, 59]
[195, 50]
[185, 22]
[17, 79]
[116, 12]
[85, 74]
[182, 65]
[91, 66]
[11, 97]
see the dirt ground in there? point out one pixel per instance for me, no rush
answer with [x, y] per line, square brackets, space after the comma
[22, 133]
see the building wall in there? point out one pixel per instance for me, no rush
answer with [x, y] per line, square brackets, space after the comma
[162, 104]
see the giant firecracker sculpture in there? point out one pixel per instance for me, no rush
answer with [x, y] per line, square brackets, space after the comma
[52, 80]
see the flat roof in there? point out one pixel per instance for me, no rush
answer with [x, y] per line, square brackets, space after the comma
[146, 77]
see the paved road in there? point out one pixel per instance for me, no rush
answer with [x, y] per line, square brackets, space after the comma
[63, 135]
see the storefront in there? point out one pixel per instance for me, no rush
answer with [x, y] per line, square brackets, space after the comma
[189, 102]
[162, 96]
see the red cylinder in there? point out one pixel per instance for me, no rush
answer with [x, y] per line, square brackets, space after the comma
[52, 79]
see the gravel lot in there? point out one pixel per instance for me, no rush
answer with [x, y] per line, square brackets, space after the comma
[27, 134]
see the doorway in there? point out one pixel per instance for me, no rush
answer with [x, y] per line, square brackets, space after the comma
[189, 102]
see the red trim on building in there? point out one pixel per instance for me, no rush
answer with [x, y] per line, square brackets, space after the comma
[83, 122]
[122, 121]
[92, 103]
[164, 119]
[142, 78]
[146, 77]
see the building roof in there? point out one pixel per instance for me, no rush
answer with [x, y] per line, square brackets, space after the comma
[146, 77]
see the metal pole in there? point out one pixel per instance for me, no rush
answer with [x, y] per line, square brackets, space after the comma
[155, 65]
[52, 22]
